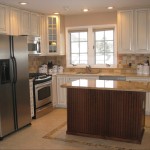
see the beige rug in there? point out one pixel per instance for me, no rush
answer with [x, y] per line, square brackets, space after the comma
[59, 134]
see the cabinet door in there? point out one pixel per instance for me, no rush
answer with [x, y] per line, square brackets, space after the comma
[43, 35]
[35, 24]
[14, 21]
[125, 31]
[138, 79]
[54, 91]
[56, 35]
[25, 23]
[141, 31]
[4, 19]
[61, 92]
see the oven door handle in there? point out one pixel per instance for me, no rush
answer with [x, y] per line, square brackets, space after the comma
[43, 85]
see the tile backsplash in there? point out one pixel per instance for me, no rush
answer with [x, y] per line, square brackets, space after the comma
[126, 63]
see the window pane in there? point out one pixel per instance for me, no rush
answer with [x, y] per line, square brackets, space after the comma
[83, 36]
[109, 46]
[109, 58]
[83, 62]
[99, 35]
[109, 35]
[100, 58]
[99, 46]
[83, 47]
[75, 59]
[74, 47]
[83, 56]
[74, 36]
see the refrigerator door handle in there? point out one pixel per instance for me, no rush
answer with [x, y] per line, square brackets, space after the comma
[11, 70]
[15, 70]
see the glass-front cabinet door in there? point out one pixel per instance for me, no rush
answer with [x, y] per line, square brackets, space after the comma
[56, 35]
[52, 34]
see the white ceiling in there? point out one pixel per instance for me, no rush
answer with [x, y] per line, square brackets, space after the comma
[69, 7]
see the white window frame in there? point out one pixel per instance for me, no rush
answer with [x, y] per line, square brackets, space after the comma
[91, 52]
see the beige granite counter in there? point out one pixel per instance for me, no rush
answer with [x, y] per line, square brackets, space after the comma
[108, 85]
[105, 74]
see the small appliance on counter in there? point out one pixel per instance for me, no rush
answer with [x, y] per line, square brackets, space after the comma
[60, 69]
[143, 69]
[43, 69]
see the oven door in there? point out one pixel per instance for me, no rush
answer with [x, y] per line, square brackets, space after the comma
[43, 94]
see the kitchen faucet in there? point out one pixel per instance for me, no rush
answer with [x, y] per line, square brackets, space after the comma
[88, 68]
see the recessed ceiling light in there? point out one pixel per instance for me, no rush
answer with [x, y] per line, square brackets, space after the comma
[56, 13]
[85, 10]
[23, 3]
[110, 7]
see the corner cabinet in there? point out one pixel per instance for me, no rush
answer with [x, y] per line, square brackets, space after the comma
[56, 35]
[4, 19]
[133, 31]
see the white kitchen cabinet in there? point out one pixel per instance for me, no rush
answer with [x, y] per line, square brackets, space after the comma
[125, 31]
[14, 21]
[24, 22]
[43, 35]
[133, 31]
[31, 97]
[141, 79]
[35, 24]
[55, 35]
[61, 92]
[142, 28]
[54, 91]
[4, 19]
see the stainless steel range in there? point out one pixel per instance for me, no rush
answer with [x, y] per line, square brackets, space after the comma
[42, 90]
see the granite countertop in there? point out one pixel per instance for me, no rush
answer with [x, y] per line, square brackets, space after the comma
[105, 74]
[108, 85]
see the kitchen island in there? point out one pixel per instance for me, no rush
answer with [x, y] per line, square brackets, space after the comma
[106, 109]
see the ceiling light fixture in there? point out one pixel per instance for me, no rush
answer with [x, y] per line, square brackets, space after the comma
[56, 13]
[23, 3]
[110, 7]
[85, 10]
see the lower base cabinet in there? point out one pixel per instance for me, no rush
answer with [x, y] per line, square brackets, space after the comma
[139, 79]
[106, 114]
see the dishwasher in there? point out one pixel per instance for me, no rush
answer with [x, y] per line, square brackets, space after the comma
[115, 78]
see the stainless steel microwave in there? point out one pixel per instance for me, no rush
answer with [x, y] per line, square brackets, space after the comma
[34, 44]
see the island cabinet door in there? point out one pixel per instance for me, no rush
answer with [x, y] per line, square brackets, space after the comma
[86, 113]
[127, 112]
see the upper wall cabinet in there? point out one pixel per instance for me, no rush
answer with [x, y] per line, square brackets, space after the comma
[4, 19]
[125, 31]
[35, 24]
[14, 21]
[142, 27]
[25, 23]
[55, 34]
[43, 33]
[133, 31]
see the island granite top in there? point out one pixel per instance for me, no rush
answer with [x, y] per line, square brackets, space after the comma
[108, 85]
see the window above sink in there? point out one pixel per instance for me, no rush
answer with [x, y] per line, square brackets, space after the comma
[91, 45]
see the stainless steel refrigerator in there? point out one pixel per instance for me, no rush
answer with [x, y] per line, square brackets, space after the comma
[14, 84]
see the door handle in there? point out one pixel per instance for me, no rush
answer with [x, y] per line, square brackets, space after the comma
[15, 70]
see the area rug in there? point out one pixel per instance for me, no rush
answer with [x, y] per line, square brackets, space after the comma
[59, 134]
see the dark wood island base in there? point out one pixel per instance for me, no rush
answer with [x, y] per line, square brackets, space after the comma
[108, 114]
